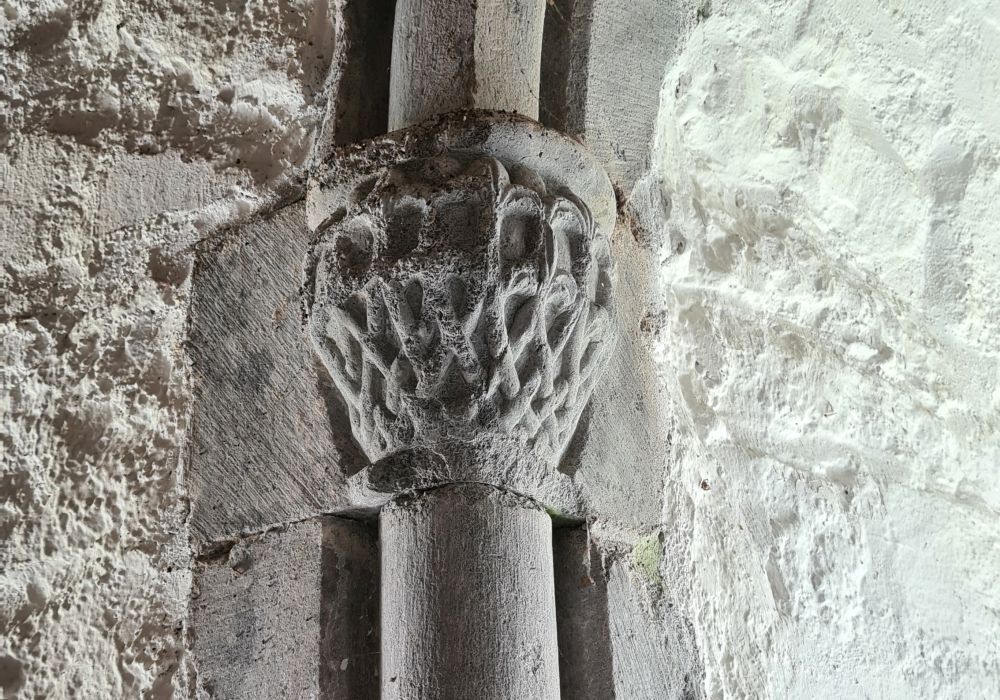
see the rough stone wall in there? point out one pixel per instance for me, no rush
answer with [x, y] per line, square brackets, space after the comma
[113, 113]
[830, 339]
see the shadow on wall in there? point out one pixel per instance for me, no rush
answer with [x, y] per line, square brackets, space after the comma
[583, 627]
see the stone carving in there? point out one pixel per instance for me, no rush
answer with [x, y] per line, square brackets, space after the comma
[454, 298]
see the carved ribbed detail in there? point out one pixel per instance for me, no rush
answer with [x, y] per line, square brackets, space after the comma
[455, 297]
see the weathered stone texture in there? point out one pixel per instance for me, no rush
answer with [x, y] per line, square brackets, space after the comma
[619, 634]
[602, 66]
[377, 283]
[453, 54]
[619, 452]
[358, 81]
[460, 298]
[585, 655]
[292, 613]
[349, 613]
[262, 447]
[468, 597]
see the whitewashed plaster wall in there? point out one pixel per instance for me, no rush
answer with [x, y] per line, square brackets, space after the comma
[830, 341]
[824, 194]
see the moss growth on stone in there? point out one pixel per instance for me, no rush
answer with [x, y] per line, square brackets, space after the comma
[646, 554]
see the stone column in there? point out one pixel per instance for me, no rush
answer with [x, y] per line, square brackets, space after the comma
[449, 55]
[459, 293]
[468, 584]
[460, 297]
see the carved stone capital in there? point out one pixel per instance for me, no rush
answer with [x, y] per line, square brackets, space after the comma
[460, 288]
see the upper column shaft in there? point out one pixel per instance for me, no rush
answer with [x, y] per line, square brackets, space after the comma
[465, 54]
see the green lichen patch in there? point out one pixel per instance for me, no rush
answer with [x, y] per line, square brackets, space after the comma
[646, 555]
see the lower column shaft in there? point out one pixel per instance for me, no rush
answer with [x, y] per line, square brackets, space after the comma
[468, 598]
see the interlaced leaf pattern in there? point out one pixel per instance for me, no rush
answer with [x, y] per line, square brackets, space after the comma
[455, 296]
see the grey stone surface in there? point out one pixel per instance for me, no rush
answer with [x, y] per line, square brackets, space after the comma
[620, 635]
[602, 66]
[271, 441]
[459, 298]
[651, 645]
[291, 613]
[262, 450]
[349, 611]
[449, 55]
[468, 604]
[585, 656]
[618, 455]
[358, 81]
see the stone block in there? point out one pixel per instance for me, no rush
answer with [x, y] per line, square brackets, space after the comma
[264, 448]
[291, 613]
[602, 66]
[619, 636]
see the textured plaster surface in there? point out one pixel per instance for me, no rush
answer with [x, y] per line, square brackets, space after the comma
[113, 114]
[830, 340]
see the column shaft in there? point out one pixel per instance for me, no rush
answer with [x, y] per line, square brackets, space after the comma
[461, 54]
[468, 598]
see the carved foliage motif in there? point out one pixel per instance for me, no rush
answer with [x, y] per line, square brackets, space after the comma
[455, 297]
